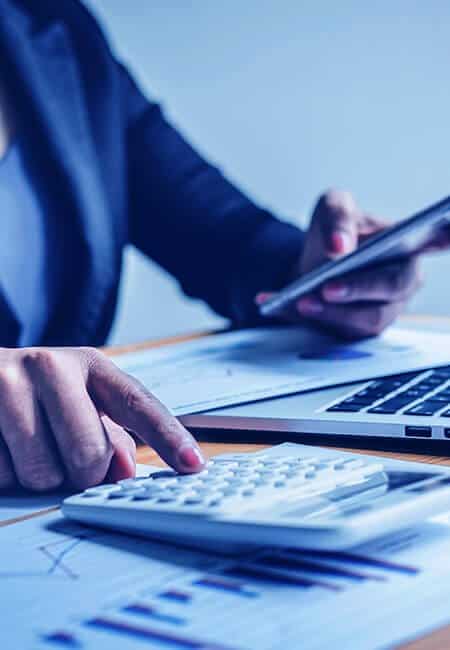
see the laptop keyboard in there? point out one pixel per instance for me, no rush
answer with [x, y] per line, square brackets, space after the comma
[424, 394]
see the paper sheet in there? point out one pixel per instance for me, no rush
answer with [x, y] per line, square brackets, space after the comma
[250, 365]
[18, 503]
[64, 585]
[95, 590]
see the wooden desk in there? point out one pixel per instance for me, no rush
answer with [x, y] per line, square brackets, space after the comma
[437, 640]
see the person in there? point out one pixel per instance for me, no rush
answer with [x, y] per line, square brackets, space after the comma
[88, 166]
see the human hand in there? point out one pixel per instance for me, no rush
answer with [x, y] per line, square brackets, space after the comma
[65, 414]
[357, 304]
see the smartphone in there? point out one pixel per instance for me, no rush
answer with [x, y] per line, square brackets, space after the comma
[404, 238]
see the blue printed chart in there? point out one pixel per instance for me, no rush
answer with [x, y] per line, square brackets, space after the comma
[66, 586]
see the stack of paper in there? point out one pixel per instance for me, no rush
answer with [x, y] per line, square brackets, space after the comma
[250, 365]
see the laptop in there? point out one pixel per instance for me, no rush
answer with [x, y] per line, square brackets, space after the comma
[409, 411]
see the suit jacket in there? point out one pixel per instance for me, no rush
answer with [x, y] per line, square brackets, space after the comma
[121, 174]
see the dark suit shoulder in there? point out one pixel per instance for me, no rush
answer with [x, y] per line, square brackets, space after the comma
[73, 14]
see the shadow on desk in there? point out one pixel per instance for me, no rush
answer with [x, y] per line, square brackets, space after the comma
[352, 443]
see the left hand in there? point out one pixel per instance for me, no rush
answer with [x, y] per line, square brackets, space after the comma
[358, 304]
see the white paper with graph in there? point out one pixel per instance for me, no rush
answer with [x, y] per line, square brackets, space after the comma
[67, 586]
[250, 365]
[20, 503]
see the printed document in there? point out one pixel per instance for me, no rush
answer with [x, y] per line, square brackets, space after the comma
[21, 503]
[64, 585]
[249, 365]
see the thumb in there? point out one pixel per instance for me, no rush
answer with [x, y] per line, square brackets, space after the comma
[123, 462]
[337, 218]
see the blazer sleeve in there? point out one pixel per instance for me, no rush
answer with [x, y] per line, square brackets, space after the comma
[185, 215]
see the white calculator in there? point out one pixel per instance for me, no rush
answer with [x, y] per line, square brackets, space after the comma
[290, 495]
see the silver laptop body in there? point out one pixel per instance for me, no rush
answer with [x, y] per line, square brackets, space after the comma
[411, 407]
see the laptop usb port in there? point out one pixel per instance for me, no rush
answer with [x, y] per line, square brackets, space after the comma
[418, 432]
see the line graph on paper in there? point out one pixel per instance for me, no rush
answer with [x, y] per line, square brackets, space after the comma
[57, 552]
[68, 552]
[53, 559]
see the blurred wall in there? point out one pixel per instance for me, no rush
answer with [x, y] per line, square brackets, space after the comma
[292, 97]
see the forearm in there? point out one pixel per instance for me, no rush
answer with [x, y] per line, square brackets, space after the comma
[202, 229]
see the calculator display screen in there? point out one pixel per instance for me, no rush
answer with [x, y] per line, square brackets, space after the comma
[355, 498]
[402, 479]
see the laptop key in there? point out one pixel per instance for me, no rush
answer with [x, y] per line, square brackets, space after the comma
[362, 401]
[391, 405]
[415, 392]
[445, 393]
[383, 410]
[426, 408]
[442, 399]
[345, 408]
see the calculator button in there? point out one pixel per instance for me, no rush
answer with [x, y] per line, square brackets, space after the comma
[129, 492]
[117, 495]
[152, 495]
[230, 492]
[193, 501]
[187, 479]
[220, 474]
[127, 481]
[217, 485]
[349, 463]
[291, 475]
[200, 489]
[273, 463]
[165, 473]
[166, 482]
[282, 468]
[262, 482]
[101, 490]
[237, 482]
[266, 473]
[224, 475]
[230, 464]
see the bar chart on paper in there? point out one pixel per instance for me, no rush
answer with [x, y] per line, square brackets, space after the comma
[90, 589]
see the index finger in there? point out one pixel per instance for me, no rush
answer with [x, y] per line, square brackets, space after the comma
[126, 401]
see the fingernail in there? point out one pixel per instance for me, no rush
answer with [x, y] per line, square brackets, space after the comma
[341, 242]
[261, 297]
[309, 306]
[190, 458]
[335, 291]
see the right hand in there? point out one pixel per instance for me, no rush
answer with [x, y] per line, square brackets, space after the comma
[65, 414]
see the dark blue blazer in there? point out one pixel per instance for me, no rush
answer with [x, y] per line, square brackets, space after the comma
[120, 174]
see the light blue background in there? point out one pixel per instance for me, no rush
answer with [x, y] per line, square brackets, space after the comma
[291, 98]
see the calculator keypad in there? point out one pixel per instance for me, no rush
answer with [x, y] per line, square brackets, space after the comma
[240, 481]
